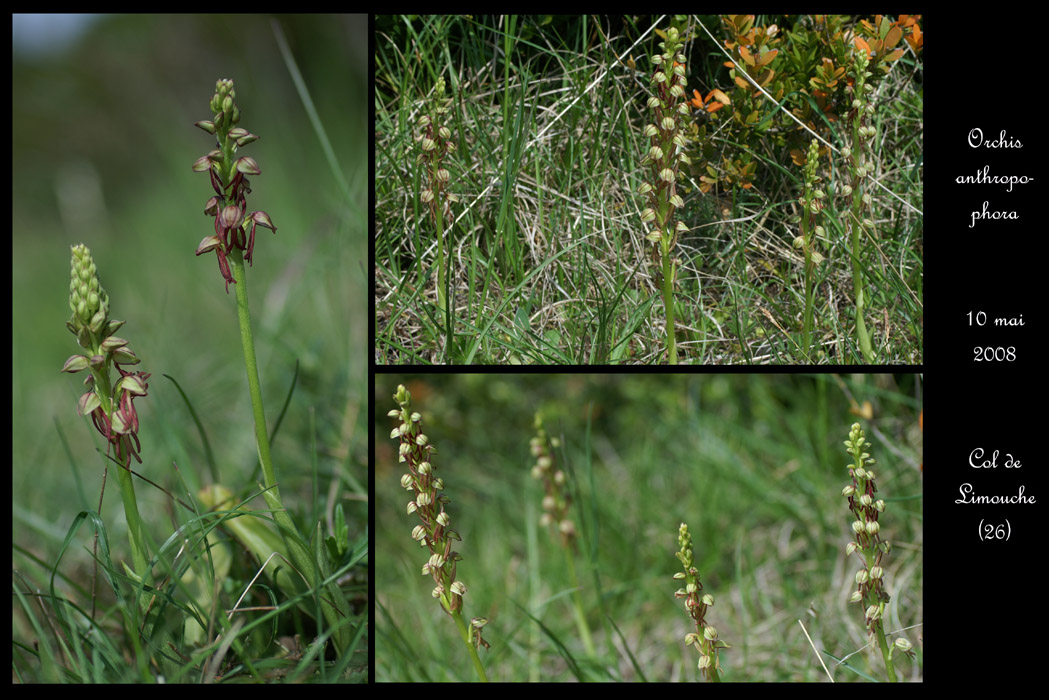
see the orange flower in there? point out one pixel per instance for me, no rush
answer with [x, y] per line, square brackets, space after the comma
[714, 101]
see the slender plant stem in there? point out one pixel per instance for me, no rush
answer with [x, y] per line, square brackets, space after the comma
[332, 602]
[465, 635]
[444, 313]
[134, 520]
[806, 333]
[857, 280]
[668, 305]
[247, 342]
[577, 607]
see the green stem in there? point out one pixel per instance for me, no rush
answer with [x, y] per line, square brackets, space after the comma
[333, 603]
[879, 632]
[668, 304]
[134, 520]
[857, 282]
[464, 634]
[577, 600]
[806, 332]
[442, 283]
[247, 342]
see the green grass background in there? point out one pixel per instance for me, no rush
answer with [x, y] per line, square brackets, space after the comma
[103, 144]
[547, 246]
[754, 464]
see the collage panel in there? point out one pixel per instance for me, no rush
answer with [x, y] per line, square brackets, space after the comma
[648, 527]
[642, 190]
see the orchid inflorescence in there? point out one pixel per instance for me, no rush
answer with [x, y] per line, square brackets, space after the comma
[663, 160]
[110, 405]
[234, 228]
[428, 502]
[811, 202]
[557, 499]
[861, 167]
[705, 638]
[435, 142]
[869, 544]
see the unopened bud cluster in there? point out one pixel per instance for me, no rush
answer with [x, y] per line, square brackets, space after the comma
[110, 405]
[557, 499]
[428, 502]
[234, 225]
[667, 144]
[435, 142]
[705, 638]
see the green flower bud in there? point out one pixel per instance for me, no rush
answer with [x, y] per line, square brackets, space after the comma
[248, 166]
[88, 403]
[75, 363]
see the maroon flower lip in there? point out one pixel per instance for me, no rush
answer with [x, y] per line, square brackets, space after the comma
[111, 407]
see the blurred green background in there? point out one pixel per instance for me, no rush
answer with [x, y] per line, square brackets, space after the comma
[103, 144]
[753, 463]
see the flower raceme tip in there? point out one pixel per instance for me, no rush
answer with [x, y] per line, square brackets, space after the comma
[234, 225]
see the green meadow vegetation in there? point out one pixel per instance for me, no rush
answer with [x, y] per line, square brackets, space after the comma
[236, 547]
[692, 527]
[598, 186]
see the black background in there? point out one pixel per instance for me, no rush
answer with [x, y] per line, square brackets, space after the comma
[985, 597]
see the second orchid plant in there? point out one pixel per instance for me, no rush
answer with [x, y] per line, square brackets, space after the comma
[234, 242]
